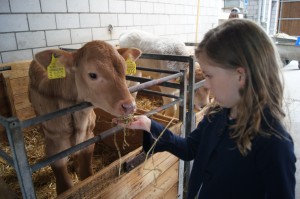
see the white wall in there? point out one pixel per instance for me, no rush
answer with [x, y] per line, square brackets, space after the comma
[267, 16]
[29, 26]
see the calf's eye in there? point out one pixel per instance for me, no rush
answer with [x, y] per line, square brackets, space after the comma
[93, 76]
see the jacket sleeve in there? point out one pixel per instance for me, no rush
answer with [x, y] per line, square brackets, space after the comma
[183, 148]
[276, 163]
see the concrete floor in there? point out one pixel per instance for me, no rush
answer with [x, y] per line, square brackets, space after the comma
[291, 74]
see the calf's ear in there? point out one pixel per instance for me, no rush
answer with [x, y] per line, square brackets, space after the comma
[132, 53]
[45, 57]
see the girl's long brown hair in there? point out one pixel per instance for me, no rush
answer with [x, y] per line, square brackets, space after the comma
[242, 43]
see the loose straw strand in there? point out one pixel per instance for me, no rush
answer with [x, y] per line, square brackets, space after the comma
[151, 149]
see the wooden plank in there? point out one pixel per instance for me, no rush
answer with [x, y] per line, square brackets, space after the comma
[172, 193]
[18, 85]
[98, 181]
[164, 183]
[138, 179]
[21, 101]
[10, 96]
[18, 69]
[25, 113]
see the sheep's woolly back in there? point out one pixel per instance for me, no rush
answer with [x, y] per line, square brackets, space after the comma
[149, 43]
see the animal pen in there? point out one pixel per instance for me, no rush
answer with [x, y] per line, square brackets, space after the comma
[91, 187]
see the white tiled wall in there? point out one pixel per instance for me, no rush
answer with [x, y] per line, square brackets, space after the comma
[27, 27]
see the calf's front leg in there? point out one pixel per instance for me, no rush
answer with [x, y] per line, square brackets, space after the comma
[59, 167]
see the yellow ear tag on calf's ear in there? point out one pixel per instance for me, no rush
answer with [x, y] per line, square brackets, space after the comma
[55, 70]
[131, 66]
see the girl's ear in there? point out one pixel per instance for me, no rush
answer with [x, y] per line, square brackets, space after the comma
[241, 76]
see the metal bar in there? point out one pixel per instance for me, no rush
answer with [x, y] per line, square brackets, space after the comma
[69, 49]
[289, 1]
[133, 163]
[279, 21]
[154, 82]
[6, 157]
[182, 117]
[191, 88]
[93, 140]
[191, 44]
[144, 79]
[190, 116]
[3, 121]
[164, 107]
[289, 19]
[199, 84]
[21, 165]
[156, 70]
[4, 68]
[64, 111]
[73, 149]
[179, 58]
[159, 93]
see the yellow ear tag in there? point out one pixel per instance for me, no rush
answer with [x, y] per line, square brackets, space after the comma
[131, 66]
[55, 70]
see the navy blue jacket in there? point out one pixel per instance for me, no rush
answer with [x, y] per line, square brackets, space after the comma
[268, 170]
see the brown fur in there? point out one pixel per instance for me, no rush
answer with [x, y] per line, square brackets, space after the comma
[108, 92]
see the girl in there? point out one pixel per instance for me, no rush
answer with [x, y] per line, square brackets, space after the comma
[240, 149]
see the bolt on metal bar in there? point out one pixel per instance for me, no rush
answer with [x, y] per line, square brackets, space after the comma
[93, 140]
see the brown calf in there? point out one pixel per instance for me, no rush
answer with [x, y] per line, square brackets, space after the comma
[96, 74]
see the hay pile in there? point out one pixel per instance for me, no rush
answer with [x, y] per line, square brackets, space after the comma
[43, 179]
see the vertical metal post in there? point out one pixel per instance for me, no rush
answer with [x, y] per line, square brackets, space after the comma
[190, 116]
[21, 165]
[280, 17]
[182, 117]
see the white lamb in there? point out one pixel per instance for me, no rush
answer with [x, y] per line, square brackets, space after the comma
[149, 43]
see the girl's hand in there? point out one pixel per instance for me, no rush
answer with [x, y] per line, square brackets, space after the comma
[141, 122]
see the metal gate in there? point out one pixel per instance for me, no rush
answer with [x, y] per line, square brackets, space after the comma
[14, 126]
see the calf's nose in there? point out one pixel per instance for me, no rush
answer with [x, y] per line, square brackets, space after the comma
[128, 108]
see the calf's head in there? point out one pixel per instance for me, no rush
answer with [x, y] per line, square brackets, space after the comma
[100, 77]
[96, 73]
